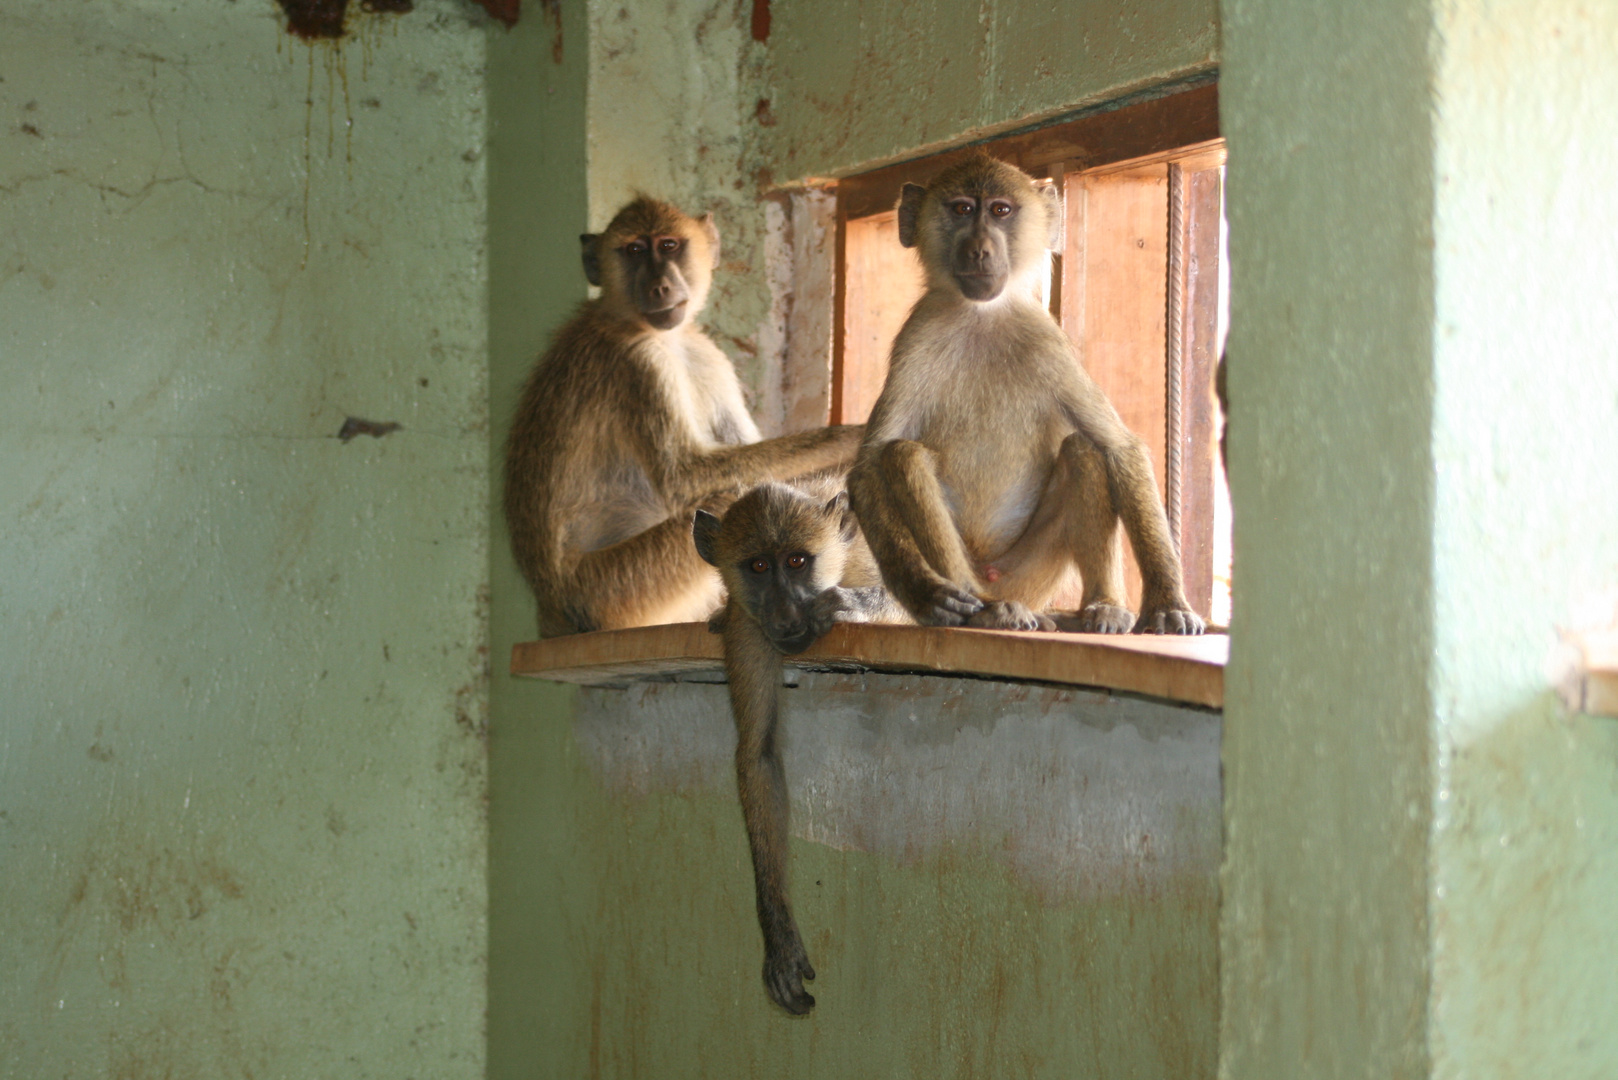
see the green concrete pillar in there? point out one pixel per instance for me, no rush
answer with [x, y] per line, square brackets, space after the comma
[540, 882]
[1423, 451]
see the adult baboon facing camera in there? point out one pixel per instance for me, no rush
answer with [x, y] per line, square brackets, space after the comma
[631, 420]
[992, 464]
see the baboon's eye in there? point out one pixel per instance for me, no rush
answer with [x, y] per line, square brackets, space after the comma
[759, 566]
[1001, 209]
[668, 245]
[798, 561]
[962, 207]
[636, 247]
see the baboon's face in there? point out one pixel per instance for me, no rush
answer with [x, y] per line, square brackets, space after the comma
[978, 225]
[980, 231]
[653, 262]
[656, 270]
[777, 550]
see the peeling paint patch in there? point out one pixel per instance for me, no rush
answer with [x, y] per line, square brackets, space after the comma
[354, 426]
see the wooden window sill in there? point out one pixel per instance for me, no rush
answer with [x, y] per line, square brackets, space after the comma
[1189, 670]
[1588, 680]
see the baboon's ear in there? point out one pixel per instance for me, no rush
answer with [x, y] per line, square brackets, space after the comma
[841, 513]
[705, 531]
[592, 258]
[711, 231]
[910, 213]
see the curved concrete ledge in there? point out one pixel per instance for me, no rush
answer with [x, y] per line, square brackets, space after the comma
[1189, 670]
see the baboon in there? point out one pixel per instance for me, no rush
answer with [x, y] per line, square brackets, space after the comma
[793, 563]
[631, 420]
[992, 465]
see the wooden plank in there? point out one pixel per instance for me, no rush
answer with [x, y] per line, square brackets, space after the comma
[608, 656]
[1589, 681]
[1205, 155]
[839, 316]
[1200, 433]
[1586, 671]
[1114, 303]
[882, 282]
[1141, 130]
[1601, 693]
[1188, 670]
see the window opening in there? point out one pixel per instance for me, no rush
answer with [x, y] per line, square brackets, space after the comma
[1139, 285]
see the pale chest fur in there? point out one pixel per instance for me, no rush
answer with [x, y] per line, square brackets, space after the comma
[703, 386]
[991, 418]
[706, 409]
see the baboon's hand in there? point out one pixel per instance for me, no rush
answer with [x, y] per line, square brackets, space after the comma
[826, 610]
[946, 605]
[785, 968]
[1009, 615]
[1172, 618]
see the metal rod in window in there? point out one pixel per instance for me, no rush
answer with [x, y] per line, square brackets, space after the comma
[1174, 348]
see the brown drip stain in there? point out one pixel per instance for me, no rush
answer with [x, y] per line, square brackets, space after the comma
[324, 20]
[313, 20]
[553, 15]
[508, 10]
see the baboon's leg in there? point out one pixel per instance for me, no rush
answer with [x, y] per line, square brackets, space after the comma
[653, 576]
[912, 479]
[1074, 524]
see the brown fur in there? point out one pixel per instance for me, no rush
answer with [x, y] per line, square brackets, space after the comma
[626, 425]
[992, 466]
[840, 583]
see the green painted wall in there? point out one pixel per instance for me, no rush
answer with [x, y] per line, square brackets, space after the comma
[1525, 538]
[1419, 853]
[851, 85]
[241, 767]
[541, 876]
[1328, 763]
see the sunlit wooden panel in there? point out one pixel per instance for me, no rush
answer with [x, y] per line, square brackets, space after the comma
[1114, 296]
[882, 282]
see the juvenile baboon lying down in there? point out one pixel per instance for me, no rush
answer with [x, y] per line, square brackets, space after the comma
[793, 564]
[992, 465]
[631, 420]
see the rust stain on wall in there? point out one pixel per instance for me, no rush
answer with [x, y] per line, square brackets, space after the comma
[553, 15]
[507, 11]
[315, 19]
